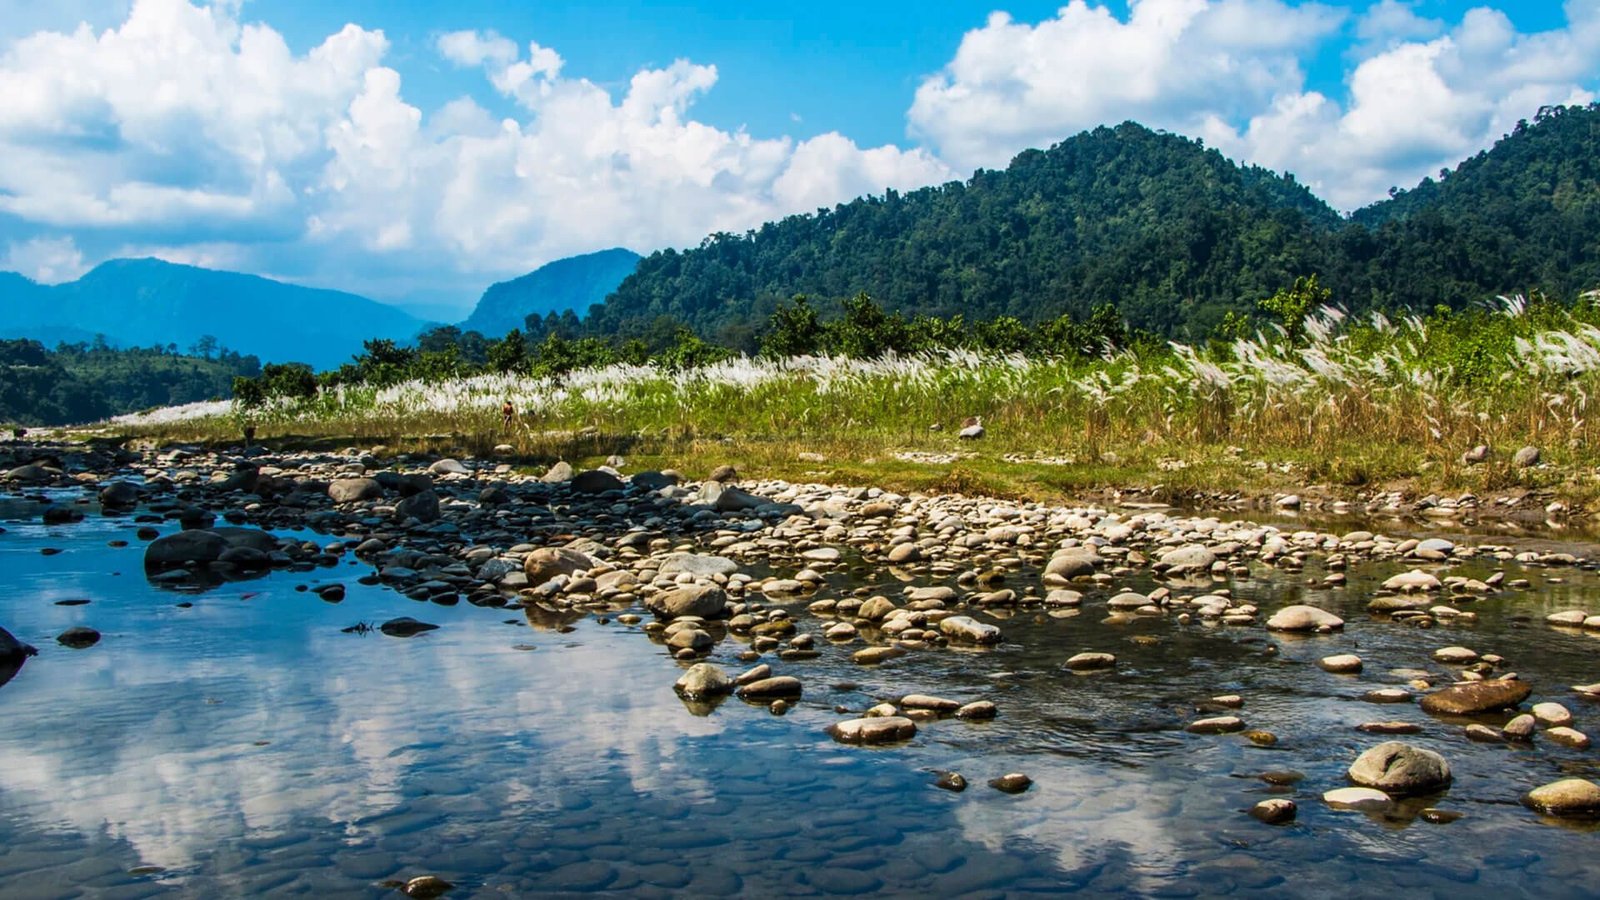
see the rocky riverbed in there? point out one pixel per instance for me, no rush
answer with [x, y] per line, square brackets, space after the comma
[1009, 649]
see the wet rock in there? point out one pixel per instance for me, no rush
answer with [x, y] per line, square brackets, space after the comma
[13, 649]
[873, 730]
[1571, 617]
[1520, 728]
[703, 681]
[184, 548]
[876, 609]
[405, 626]
[596, 481]
[1567, 737]
[1395, 768]
[784, 686]
[1216, 725]
[951, 781]
[1073, 563]
[1483, 734]
[1576, 797]
[1340, 664]
[698, 565]
[904, 553]
[426, 887]
[1391, 727]
[1551, 714]
[1387, 695]
[119, 495]
[1277, 811]
[1476, 697]
[62, 515]
[870, 656]
[545, 563]
[1456, 656]
[423, 507]
[1190, 560]
[1087, 662]
[925, 701]
[1412, 581]
[354, 490]
[978, 710]
[78, 637]
[1012, 783]
[692, 639]
[968, 629]
[707, 601]
[1357, 798]
[1303, 618]
[1439, 816]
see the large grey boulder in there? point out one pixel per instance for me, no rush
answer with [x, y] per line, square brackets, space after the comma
[970, 630]
[423, 507]
[1074, 563]
[1191, 560]
[354, 490]
[545, 563]
[700, 565]
[596, 481]
[119, 495]
[704, 600]
[1399, 769]
[184, 548]
[703, 681]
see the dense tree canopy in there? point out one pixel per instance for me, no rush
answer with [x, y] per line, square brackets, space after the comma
[88, 381]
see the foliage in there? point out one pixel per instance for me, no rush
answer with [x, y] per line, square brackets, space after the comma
[88, 381]
[1292, 304]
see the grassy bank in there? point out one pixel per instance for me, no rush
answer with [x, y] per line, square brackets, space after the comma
[1343, 407]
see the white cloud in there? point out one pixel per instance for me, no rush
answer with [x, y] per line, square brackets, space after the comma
[45, 260]
[1012, 86]
[1423, 96]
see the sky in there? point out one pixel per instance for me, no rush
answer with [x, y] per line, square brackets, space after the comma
[416, 152]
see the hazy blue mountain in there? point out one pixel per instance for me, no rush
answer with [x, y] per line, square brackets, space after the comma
[144, 302]
[574, 283]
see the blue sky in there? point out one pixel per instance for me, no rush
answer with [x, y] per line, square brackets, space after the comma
[417, 151]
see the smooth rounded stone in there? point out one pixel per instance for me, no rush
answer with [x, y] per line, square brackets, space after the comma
[871, 656]
[1483, 734]
[423, 507]
[1391, 727]
[1357, 798]
[925, 701]
[1551, 714]
[448, 466]
[1091, 661]
[784, 686]
[12, 649]
[883, 709]
[1387, 695]
[1227, 701]
[354, 490]
[1399, 768]
[1576, 797]
[876, 609]
[405, 626]
[1216, 725]
[1569, 617]
[1277, 811]
[1587, 690]
[781, 586]
[119, 494]
[1011, 783]
[1260, 738]
[1192, 559]
[697, 564]
[184, 548]
[968, 629]
[951, 781]
[978, 710]
[1073, 563]
[705, 601]
[702, 681]
[873, 730]
[1455, 656]
[1127, 600]
[1476, 697]
[1341, 664]
[559, 473]
[545, 563]
[1435, 545]
[595, 481]
[1301, 617]
[426, 887]
[1414, 580]
[1567, 737]
[904, 553]
[1062, 597]
[78, 637]
[1394, 604]
[1526, 457]
[1520, 728]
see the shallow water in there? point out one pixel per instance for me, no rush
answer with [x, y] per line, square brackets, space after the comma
[245, 746]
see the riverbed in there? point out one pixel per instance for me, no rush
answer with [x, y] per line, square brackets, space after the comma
[240, 741]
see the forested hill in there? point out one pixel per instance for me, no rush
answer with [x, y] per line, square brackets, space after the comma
[574, 283]
[1172, 233]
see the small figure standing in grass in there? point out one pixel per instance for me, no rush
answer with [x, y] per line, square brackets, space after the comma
[507, 414]
[249, 435]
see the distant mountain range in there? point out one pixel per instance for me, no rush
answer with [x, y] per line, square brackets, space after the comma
[148, 302]
[574, 283]
[1171, 233]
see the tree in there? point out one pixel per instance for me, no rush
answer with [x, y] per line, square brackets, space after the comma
[204, 347]
[510, 353]
[1292, 305]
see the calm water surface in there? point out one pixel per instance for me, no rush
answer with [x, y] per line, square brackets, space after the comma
[246, 747]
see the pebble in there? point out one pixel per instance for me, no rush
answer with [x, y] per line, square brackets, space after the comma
[1276, 811]
[1012, 783]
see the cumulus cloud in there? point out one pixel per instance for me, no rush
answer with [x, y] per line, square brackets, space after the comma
[1422, 95]
[47, 260]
